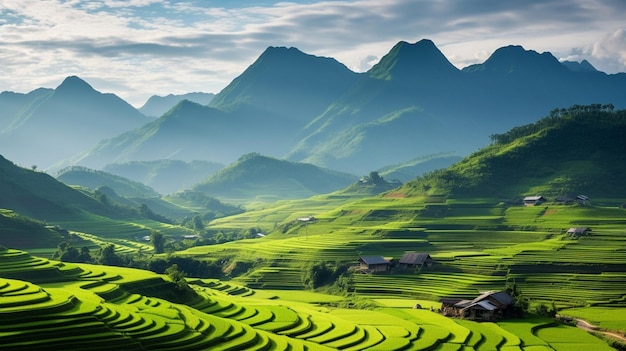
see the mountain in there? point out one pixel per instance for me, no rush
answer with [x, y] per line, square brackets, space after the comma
[255, 176]
[187, 132]
[258, 112]
[157, 105]
[12, 104]
[94, 179]
[412, 103]
[286, 84]
[582, 66]
[166, 176]
[400, 109]
[62, 122]
[570, 152]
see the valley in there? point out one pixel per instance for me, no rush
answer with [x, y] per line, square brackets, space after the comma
[332, 210]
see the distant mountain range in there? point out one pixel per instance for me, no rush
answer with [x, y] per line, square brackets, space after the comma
[45, 125]
[158, 105]
[165, 176]
[93, 179]
[311, 109]
[269, 179]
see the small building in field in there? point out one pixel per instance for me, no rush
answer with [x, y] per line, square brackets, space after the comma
[307, 219]
[582, 199]
[533, 200]
[577, 232]
[371, 264]
[488, 306]
[411, 261]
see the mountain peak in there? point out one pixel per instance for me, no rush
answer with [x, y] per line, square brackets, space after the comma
[73, 84]
[514, 58]
[582, 66]
[407, 60]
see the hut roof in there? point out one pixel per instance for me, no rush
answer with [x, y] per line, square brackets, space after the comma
[373, 260]
[414, 258]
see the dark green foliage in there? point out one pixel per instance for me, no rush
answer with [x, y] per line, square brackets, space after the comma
[68, 253]
[188, 266]
[158, 241]
[177, 277]
[109, 257]
[572, 151]
[319, 274]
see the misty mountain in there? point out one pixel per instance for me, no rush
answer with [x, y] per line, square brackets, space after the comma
[187, 132]
[157, 105]
[166, 176]
[264, 178]
[286, 85]
[412, 103]
[260, 111]
[59, 123]
[93, 179]
[12, 104]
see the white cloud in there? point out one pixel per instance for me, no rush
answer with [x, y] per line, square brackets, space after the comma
[145, 47]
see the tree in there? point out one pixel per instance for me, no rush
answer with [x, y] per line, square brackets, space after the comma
[108, 256]
[177, 276]
[158, 241]
[85, 255]
[375, 178]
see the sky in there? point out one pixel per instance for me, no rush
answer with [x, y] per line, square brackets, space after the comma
[140, 48]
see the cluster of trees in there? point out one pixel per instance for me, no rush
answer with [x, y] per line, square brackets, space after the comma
[555, 117]
[333, 275]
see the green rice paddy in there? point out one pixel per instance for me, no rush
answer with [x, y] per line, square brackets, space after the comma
[476, 245]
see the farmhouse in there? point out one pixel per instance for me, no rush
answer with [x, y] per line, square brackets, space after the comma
[582, 199]
[488, 306]
[414, 261]
[371, 264]
[577, 232]
[533, 200]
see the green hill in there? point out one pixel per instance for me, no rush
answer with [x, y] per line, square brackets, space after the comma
[18, 231]
[573, 151]
[414, 168]
[165, 176]
[93, 179]
[262, 177]
[39, 195]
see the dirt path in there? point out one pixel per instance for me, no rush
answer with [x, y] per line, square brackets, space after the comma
[583, 324]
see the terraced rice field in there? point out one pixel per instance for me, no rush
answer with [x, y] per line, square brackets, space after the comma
[95, 310]
[479, 245]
